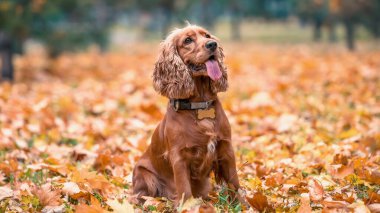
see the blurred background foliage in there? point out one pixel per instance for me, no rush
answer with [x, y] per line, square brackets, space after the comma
[71, 25]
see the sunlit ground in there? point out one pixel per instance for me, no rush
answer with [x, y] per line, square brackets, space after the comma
[305, 123]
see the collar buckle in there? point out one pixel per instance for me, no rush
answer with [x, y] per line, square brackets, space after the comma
[176, 104]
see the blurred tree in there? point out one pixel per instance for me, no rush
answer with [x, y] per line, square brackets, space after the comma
[372, 19]
[352, 13]
[236, 18]
[60, 24]
[314, 11]
[332, 19]
[349, 12]
[72, 25]
[6, 53]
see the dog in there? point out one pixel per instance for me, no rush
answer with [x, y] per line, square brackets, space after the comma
[194, 138]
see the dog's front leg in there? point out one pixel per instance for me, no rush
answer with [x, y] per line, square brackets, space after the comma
[181, 179]
[227, 167]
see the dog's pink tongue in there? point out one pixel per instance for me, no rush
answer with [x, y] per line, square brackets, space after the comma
[213, 70]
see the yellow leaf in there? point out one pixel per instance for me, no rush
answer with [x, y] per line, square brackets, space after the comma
[120, 207]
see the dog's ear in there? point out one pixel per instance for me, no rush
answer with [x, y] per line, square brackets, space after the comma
[171, 77]
[220, 85]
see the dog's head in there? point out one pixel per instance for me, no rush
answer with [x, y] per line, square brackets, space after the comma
[186, 54]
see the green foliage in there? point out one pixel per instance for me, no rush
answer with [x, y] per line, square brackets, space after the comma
[152, 208]
[69, 141]
[30, 203]
[361, 191]
[98, 197]
[11, 179]
[225, 202]
[36, 177]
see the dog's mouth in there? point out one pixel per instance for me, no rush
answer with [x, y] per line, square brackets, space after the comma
[211, 66]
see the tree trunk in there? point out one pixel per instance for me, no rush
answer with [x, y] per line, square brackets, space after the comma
[350, 34]
[235, 21]
[376, 29]
[332, 33]
[235, 27]
[331, 26]
[317, 35]
[6, 54]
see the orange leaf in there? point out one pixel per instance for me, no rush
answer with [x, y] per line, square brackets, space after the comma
[315, 190]
[305, 205]
[47, 196]
[259, 201]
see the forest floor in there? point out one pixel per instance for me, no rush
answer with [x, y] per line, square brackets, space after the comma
[305, 123]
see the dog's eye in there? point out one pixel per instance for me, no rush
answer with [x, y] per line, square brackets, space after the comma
[188, 40]
[208, 36]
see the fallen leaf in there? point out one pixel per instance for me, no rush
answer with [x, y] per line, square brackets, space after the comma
[333, 206]
[94, 207]
[259, 201]
[53, 209]
[70, 188]
[375, 207]
[47, 196]
[359, 208]
[120, 207]
[315, 190]
[191, 205]
[5, 192]
[305, 204]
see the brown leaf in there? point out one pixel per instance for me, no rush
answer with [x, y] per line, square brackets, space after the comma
[305, 204]
[315, 190]
[83, 208]
[206, 209]
[373, 197]
[96, 181]
[375, 208]
[340, 171]
[94, 207]
[103, 159]
[259, 201]
[47, 196]
[333, 206]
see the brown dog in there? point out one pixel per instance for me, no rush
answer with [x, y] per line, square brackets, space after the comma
[194, 138]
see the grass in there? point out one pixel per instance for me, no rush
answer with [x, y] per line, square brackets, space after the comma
[225, 203]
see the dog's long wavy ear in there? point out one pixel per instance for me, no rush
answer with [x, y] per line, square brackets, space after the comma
[220, 85]
[171, 77]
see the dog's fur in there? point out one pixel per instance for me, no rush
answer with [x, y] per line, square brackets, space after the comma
[184, 150]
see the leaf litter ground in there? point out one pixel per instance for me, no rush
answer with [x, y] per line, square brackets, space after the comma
[305, 122]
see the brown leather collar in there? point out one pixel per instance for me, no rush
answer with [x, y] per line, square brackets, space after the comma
[185, 104]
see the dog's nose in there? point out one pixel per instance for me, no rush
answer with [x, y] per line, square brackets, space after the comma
[211, 45]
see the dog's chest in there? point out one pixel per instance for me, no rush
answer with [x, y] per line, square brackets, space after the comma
[201, 160]
[203, 152]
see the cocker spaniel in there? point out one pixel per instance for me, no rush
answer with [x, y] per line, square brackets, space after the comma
[194, 137]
